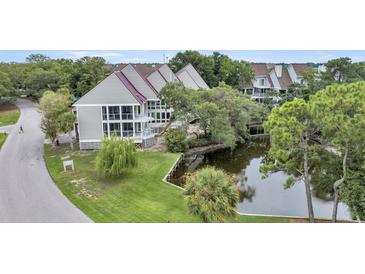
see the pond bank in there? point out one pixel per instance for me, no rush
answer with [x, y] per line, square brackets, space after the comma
[204, 149]
[265, 196]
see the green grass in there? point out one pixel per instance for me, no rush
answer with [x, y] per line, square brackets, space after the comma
[9, 118]
[2, 139]
[139, 196]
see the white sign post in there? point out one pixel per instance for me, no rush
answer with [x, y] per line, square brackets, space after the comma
[68, 163]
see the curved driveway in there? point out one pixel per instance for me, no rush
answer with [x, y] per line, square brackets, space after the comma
[27, 192]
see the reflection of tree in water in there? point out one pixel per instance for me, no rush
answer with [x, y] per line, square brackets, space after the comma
[245, 191]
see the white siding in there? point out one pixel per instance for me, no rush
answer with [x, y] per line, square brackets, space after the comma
[109, 91]
[274, 79]
[138, 82]
[89, 120]
[292, 74]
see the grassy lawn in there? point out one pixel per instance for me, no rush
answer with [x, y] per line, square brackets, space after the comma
[139, 196]
[2, 139]
[9, 117]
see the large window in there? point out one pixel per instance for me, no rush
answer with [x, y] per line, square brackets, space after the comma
[138, 128]
[114, 113]
[127, 129]
[151, 104]
[105, 129]
[262, 82]
[137, 110]
[127, 113]
[105, 114]
[114, 129]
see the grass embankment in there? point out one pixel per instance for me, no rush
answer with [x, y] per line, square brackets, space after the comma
[9, 115]
[2, 139]
[139, 196]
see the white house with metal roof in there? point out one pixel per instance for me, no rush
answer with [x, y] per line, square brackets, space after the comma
[127, 104]
[274, 77]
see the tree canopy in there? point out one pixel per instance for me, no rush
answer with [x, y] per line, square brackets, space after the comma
[222, 113]
[215, 68]
[339, 111]
[57, 117]
[40, 73]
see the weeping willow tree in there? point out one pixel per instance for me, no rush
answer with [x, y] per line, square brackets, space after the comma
[211, 195]
[115, 156]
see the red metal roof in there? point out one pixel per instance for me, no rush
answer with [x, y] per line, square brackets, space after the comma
[136, 94]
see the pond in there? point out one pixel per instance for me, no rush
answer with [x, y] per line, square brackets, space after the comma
[257, 195]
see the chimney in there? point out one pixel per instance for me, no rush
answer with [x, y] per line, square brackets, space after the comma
[278, 70]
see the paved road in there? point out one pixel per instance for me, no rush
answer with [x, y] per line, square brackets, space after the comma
[27, 192]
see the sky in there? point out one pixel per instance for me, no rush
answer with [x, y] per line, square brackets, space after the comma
[156, 56]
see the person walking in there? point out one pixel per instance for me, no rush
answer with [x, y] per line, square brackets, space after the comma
[21, 129]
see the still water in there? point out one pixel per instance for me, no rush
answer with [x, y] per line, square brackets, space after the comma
[260, 196]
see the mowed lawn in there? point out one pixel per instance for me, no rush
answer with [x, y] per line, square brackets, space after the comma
[2, 139]
[9, 117]
[138, 196]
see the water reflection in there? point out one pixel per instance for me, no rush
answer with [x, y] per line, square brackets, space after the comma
[258, 195]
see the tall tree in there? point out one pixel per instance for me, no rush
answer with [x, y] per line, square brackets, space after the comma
[37, 57]
[340, 112]
[292, 131]
[55, 107]
[340, 70]
[8, 93]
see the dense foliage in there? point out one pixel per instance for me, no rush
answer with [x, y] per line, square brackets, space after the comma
[115, 156]
[8, 93]
[175, 140]
[322, 142]
[211, 195]
[57, 117]
[339, 111]
[40, 73]
[222, 113]
[215, 68]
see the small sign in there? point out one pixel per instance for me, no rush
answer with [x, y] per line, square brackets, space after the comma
[68, 163]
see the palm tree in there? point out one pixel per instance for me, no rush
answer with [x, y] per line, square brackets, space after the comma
[211, 195]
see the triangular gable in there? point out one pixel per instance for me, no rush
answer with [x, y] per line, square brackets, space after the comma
[109, 91]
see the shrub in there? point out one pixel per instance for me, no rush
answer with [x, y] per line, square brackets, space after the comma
[115, 156]
[211, 195]
[175, 140]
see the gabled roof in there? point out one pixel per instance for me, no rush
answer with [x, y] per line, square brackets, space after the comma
[167, 73]
[156, 80]
[190, 72]
[139, 97]
[187, 80]
[136, 83]
[262, 69]
[285, 80]
[139, 82]
[300, 69]
[114, 89]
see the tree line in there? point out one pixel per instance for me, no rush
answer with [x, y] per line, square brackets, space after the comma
[40, 73]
